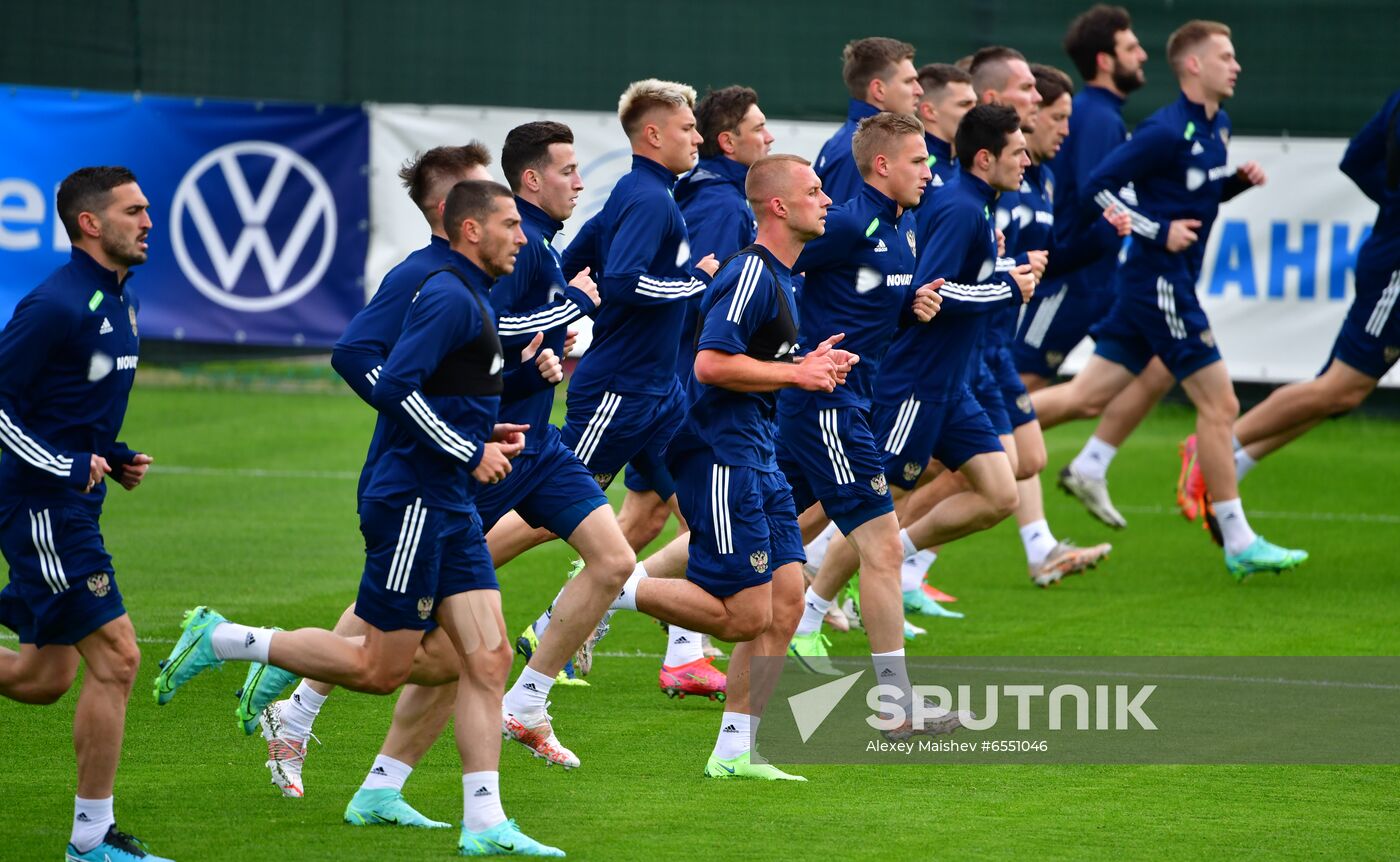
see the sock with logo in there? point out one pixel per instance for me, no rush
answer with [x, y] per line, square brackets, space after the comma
[1243, 463]
[813, 612]
[481, 801]
[912, 571]
[1038, 540]
[627, 599]
[733, 739]
[1233, 525]
[891, 670]
[683, 647]
[529, 693]
[300, 710]
[386, 774]
[1093, 460]
[240, 643]
[91, 819]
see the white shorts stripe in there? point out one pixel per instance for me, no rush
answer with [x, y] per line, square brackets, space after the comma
[911, 412]
[840, 465]
[719, 504]
[1381, 313]
[597, 424]
[1166, 301]
[1044, 316]
[407, 547]
[41, 533]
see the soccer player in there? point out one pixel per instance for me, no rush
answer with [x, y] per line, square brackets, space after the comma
[860, 280]
[947, 97]
[1110, 59]
[924, 407]
[438, 394]
[1368, 344]
[69, 354]
[880, 76]
[1176, 161]
[743, 580]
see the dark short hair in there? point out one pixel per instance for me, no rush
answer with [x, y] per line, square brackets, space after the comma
[426, 172]
[721, 111]
[88, 190]
[527, 147]
[989, 67]
[935, 77]
[470, 199]
[985, 127]
[876, 135]
[1188, 36]
[864, 60]
[1051, 83]
[1093, 33]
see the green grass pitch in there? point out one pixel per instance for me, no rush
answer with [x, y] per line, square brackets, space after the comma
[251, 509]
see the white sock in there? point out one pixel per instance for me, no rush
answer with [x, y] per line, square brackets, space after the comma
[386, 774]
[300, 710]
[481, 801]
[891, 670]
[1233, 525]
[627, 599]
[1243, 464]
[1235, 443]
[816, 549]
[542, 622]
[91, 818]
[813, 612]
[910, 549]
[529, 693]
[734, 731]
[1093, 460]
[240, 643]
[1039, 541]
[682, 647]
[911, 573]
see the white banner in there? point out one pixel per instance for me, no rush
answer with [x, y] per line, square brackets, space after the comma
[1278, 271]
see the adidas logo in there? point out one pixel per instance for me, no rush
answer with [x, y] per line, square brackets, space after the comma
[297, 698]
[681, 640]
[378, 770]
[1197, 149]
[83, 818]
[729, 728]
[812, 605]
[481, 791]
[530, 686]
[250, 641]
[935, 182]
[106, 327]
[880, 246]
[887, 673]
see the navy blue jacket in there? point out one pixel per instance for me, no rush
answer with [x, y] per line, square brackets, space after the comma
[644, 279]
[1176, 161]
[1365, 162]
[1096, 128]
[69, 356]
[836, 166]
[719, 221]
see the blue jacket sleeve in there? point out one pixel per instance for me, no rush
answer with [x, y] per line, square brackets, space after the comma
[358, 369]
[439, 321]
[583, 250]
[516, 323]
[954, 231]
[1138, 157]
[727, 228]
[641, 229]
[1365, 159]
[26, 344]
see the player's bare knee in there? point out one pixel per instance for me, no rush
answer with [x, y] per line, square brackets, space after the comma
[746, 624]
[48, 689]
[611, 566]
[488, 668]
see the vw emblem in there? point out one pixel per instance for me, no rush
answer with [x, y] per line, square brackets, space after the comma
[230, 263]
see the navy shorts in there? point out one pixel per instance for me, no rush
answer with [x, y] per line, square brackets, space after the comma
[608, 430]
[415, 557]
[987, 390]
[1014, 397]
[549, 488]
[1054, 324]
[1369, 340]
[62, 587]
[830, 455]
[953, 431]
[1156, 316]
[743, 523]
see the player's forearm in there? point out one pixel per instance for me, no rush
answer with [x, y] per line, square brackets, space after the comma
[740, 373]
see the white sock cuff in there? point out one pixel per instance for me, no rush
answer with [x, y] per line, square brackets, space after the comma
[387, 774]
[910, 549]
[309, 698]
[240, 642]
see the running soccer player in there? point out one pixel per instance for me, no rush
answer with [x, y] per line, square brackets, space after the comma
[69, 354]
[743, 580]
[924, 407]
[860, 281]
[437, 394]
[1368, 344]
[1110, 59]
[1177, 162]
[880, 76]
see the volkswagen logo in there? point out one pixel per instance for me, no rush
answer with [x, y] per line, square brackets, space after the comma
[265, 287]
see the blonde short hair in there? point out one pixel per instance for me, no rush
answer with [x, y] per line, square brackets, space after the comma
[876, 135]
[642, 97]
[1188, 37]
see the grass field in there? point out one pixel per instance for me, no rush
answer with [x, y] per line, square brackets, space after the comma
[251, 509]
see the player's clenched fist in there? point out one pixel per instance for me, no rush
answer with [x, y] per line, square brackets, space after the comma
[549, 366]
[927, 301]
[584, 282]
[1025, 281]
[818, 371]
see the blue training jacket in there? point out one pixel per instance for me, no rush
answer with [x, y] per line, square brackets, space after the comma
[836, 167]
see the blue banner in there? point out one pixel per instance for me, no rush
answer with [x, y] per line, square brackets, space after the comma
[260, 211]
